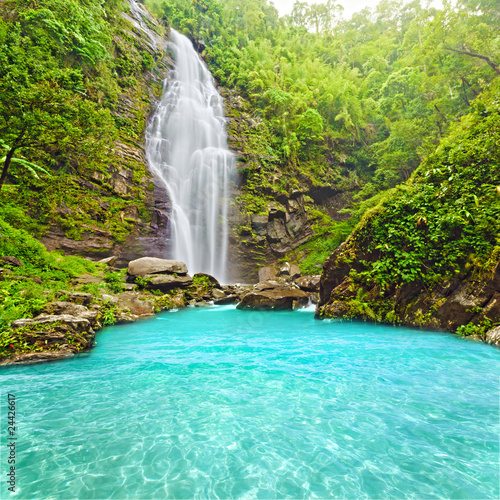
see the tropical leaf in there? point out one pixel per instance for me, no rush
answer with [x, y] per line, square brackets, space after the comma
[31, 167]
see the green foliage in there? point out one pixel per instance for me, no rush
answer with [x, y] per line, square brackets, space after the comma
[203, 283]
[330, 234]
[371, 95]
[114, 281]
[25, 290]
[446, 220]
[472, 329]
[43, 109]
[108, 313]
[142, 281]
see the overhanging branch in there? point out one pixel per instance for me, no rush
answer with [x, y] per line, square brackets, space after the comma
[479, 56]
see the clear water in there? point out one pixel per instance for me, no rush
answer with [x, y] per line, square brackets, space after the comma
[221, 403]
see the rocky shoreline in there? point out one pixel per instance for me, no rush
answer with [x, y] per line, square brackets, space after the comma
[465, 300]
[69, 325]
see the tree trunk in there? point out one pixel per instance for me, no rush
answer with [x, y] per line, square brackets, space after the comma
[8, 159]
[6, 165]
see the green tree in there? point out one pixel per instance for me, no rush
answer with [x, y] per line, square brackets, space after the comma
[43, 113]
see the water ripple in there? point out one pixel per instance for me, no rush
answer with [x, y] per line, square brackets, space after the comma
[199, 404]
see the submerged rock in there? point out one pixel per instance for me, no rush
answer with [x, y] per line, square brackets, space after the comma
[153, 265]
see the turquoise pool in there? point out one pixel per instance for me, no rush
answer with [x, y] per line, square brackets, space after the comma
[219, 403]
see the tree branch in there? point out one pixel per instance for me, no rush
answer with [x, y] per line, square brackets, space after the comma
[441, 114]
[479, 56]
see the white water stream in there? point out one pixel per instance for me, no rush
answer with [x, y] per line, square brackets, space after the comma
[186, 146]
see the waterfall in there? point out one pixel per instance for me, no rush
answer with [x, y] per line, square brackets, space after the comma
[186, 146]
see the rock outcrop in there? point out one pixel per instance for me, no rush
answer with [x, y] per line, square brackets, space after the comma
[165, 282]
[56, 335]
[466, 300]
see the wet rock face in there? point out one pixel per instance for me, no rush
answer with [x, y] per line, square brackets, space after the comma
[309, 283]
[288, 226]
[267, 273]
[267, 237]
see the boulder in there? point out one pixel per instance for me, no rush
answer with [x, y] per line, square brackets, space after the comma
[227, 299]
[75, 323]
[294, 271]
[130, 301]
[267, 273]
[109, 298]
[166, 282]
[61, 334]
[153, 265]
[284, 270]
[83, 299]
[61, 307]
[86, 279]
[309, 283]
[277, 298]
[110, 261]
[70, 309]
[239, 290]
[269, 285]
[493, 336]
[218, 294]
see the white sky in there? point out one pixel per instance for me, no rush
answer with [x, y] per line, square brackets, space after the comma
[350, 6]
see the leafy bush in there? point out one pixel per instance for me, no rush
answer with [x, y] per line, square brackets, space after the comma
[446, 219]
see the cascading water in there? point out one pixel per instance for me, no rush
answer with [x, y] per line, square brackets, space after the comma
[186, 146]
